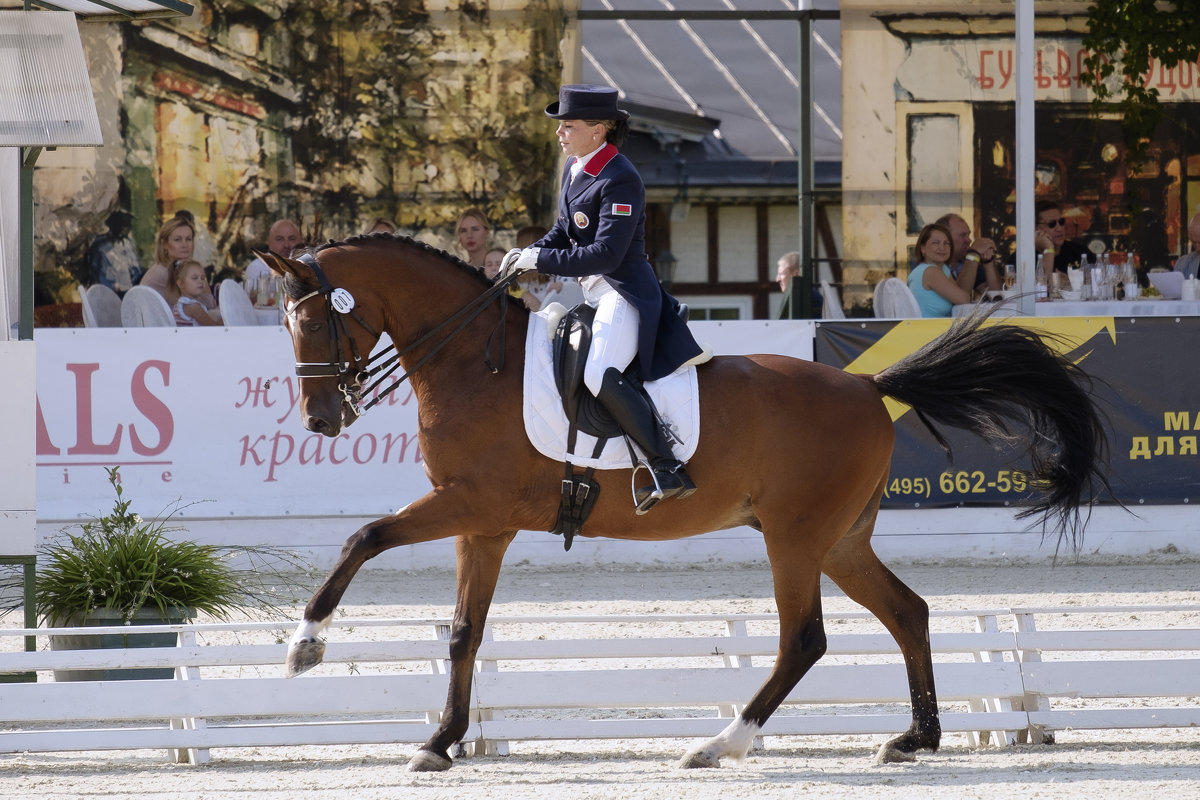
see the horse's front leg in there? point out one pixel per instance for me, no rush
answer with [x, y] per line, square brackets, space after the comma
[479, 561]
[438, 515]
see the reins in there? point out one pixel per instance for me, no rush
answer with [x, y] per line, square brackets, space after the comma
[339, 303]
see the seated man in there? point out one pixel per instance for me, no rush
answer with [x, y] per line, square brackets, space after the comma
[283, 238]
[978, 254]
[1190, 261]
[1050, 239]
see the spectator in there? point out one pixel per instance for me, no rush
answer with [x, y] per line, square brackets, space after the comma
[381, 225]
[187, 278]
[972, 255]
[202, 245]
[473, 233]
[491, 262]
[175, 242]
[787, 268]
[112, 258]
[530, 234]
[1050, 239]
[520, 289]
[282, 240]
[547, 288]
[1188, 263]
[931, 281]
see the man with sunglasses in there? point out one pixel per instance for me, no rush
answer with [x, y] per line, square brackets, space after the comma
[1050, 239]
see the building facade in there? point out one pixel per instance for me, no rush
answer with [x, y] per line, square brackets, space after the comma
[931, 131]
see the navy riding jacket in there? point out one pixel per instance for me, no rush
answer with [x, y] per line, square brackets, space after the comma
[600, 230]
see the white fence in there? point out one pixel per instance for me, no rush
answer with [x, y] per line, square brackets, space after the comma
[999, 677]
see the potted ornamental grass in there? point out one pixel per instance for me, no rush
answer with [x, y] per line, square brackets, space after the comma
[122, 569]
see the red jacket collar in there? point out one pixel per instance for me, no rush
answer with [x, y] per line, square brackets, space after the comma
[600, 160]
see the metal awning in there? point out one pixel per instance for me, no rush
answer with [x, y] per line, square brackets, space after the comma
[733, 61]
[116, 10]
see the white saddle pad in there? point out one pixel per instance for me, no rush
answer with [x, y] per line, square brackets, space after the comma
[675, 397]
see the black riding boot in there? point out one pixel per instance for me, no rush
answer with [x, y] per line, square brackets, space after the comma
[631, 411]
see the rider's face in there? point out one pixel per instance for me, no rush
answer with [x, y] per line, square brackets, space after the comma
[577, 138]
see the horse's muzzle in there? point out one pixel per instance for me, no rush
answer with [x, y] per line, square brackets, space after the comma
[322, 426]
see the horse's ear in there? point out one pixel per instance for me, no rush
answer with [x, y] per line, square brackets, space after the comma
[284, 266]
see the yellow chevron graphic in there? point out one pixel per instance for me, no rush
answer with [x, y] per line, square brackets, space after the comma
[1068, 333]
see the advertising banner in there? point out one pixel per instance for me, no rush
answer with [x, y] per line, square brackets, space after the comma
[209, 417]
[1145, 384]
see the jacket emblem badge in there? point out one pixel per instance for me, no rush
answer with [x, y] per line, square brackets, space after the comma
[581, 220]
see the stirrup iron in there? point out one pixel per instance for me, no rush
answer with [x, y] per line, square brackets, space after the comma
[644, 500]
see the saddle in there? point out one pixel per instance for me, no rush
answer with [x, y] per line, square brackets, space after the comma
[584, 413]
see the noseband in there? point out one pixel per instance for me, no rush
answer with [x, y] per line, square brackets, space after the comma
[352, 374]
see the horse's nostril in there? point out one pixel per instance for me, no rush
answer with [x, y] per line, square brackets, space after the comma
[316, 424]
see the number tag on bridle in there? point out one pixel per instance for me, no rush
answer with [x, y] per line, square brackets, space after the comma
[342, 301]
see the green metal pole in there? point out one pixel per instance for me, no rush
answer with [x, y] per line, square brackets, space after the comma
[804, 164]
[29, 156]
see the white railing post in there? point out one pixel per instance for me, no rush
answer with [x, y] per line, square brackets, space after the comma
[483, 745]
[1036, 734]
[186, 672]
[986, 623]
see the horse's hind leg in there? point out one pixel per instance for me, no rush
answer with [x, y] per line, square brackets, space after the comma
[801, 644]
[853, 566]
[479, 560]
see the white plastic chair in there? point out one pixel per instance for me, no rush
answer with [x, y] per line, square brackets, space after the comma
[105, 304]
[894, 300]
[143, 307]
[236, 308]
[89, 316]
[833, 302]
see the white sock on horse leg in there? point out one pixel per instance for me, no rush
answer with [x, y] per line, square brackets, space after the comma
[310, 630]
[738, 738]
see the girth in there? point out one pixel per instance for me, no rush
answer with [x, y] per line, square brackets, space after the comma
[572, 342]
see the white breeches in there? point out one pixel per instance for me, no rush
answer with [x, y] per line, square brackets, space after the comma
[614, 333]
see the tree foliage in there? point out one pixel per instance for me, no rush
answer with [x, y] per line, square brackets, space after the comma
[1127, 39]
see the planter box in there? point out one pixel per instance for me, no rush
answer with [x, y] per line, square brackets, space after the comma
[103, 617]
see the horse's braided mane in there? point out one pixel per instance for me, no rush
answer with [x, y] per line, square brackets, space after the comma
[383, 236]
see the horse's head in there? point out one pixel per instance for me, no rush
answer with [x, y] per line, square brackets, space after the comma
[333, 333]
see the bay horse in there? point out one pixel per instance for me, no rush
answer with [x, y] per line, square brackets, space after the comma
[797, 450]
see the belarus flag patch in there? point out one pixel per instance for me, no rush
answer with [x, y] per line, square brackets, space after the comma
[622, 209]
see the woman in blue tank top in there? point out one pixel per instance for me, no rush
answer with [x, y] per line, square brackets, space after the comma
[931, 281]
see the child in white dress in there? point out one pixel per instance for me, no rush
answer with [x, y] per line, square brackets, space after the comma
[188, 278]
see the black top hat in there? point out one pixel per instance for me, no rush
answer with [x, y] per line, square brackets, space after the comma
[583, 101]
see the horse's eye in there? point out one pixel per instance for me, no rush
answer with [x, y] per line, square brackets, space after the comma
[314, 327]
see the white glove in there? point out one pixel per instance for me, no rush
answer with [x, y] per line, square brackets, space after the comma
[518, 261]
[509, 259]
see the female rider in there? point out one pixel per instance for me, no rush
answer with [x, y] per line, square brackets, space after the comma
[599, 238]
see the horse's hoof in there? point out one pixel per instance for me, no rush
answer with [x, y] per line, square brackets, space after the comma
[425, 761]
[699, 758]
[303, 656]
[890, 754]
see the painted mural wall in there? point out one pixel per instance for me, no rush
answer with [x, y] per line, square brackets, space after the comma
[328, 112]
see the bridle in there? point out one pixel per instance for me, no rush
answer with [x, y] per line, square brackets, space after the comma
[352, 369]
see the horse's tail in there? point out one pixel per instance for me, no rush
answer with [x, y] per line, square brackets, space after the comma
[985, 379]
